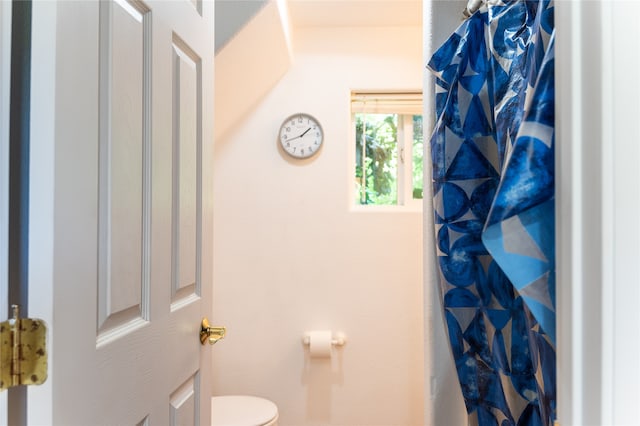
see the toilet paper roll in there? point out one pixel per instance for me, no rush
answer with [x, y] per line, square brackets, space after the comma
[320, 344]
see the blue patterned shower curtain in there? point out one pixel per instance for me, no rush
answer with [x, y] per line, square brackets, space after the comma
[493, 184]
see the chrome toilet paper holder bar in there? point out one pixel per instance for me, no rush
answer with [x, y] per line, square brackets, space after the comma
[338, 339]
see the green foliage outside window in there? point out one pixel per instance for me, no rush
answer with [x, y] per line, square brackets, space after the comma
[418, 146]
[381, 159]
[377, 176]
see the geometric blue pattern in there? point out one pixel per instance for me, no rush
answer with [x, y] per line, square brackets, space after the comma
[493, 184]
[520, 229]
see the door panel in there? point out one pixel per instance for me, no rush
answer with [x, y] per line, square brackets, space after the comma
[186, 173]
[124, 144]
[132, 214]
[184, 403]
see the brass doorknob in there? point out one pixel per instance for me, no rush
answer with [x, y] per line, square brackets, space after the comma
[212, 334]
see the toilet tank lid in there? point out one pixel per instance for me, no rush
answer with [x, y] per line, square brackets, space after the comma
[241, 410]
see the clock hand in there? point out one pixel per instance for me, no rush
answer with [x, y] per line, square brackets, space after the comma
[299, 136]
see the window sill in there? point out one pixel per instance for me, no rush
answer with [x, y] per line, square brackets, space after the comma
[372, 208]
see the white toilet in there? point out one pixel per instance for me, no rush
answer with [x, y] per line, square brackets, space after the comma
[241, 410]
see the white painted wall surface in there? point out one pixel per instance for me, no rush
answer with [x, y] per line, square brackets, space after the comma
[444, 404]
[291, 255]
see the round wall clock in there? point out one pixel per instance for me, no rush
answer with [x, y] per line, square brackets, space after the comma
[300, 135]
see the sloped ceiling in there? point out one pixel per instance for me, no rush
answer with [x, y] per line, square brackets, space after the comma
[238, 83]
[249, 64]
[231, 16]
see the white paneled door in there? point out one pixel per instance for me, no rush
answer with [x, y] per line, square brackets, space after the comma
[120, 222]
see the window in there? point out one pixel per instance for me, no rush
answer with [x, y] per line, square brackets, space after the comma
[388, 148]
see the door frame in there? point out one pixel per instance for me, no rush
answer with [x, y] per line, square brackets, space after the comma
[5, 84]
[41, 191]
[15, 192]
[5, 78]
[598, 230]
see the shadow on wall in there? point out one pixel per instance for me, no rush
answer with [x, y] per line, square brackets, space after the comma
[319, 375]
[244, 74]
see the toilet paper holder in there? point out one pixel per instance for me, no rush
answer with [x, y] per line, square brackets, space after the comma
[338, 339]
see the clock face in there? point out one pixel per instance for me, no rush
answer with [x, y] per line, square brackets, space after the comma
[300, 135]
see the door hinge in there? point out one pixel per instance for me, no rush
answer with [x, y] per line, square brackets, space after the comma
[23, 351]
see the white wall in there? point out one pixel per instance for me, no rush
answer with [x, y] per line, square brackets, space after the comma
[444, 402]
[291, 255]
